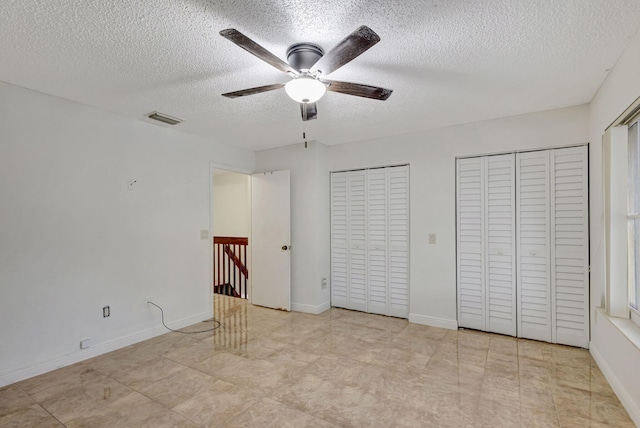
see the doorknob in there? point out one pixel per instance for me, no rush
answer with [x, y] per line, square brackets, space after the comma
[285, 248]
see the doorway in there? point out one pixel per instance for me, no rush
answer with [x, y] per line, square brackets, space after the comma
[231, 220]
[251, 243]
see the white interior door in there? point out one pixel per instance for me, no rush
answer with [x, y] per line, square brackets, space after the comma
[357, 217]
[399, 241]
[570, 249]
[271, 240]
[339, 239]
[534, 242]
[500, 253]
[471, 243]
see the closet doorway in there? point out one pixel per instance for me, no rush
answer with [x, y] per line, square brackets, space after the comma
[523, 244]
[370, 240]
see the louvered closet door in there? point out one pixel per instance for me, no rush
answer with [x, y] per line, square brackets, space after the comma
[470, 237]
[357, 240]
[398, 241]
[570, 251]
[339, 237]
[500, 244]
[377, 234]
[533, 252]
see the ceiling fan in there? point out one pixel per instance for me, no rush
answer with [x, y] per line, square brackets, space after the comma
[308, 64]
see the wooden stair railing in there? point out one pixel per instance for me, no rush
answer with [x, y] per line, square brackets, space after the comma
[230, 266]
[236, 260]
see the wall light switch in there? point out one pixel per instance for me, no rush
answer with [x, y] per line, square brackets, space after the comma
[432, 238]
[204, 234]
[85, 343]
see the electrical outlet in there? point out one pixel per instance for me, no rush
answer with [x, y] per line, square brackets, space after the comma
[106, 311]
[204, 234]
[323, 283]
[85, 343]
[432, 238]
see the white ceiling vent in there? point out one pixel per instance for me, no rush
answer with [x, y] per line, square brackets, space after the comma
[164, 118]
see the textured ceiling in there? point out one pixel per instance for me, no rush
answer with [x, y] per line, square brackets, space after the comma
[448, 61]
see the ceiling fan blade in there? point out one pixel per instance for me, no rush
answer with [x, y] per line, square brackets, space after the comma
[309, 111]
[349, 48]
[359, 90]
[255, 49]
[253, 91]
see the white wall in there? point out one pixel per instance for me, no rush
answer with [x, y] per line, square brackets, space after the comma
[231, 205]
[309, 220]
[74, 239]
[616, 355]
[431, 155]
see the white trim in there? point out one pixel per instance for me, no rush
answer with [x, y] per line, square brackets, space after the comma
[211, 249]
[433, 322]
[78, 355]
[614, 148]
[635, 315]
[230, 168]
[540, 149]
[310, 309]
[623, 395]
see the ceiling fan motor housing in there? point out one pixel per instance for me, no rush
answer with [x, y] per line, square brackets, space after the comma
[302, 56]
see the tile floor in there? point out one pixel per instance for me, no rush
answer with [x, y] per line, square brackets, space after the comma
[266, 368]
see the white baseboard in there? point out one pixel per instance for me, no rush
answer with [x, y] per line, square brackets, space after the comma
[78, 355]
[433, 322]
[623, 395]
[310, 309]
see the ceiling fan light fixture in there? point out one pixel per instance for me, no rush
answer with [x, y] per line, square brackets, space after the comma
[305, 89]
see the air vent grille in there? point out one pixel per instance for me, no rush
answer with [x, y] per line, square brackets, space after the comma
[161, 117]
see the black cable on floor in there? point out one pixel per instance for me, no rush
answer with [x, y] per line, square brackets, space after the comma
[184, 332]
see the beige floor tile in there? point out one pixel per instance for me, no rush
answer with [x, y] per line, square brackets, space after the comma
[58, 381]
[400, 359]
[356, 349]
[260, 375]
[387, 384]
[300, 392]
[133, 410]
[217, 363]
[350, 406]
[530, 349]
[178, 387]
[146, 373]
[192, 351]
[12, 398]
[320, 423]
[335, 369]
[338, 369]
[496, 414]
[74, 403]
[33, 416]
[218, 404]
[268, 413]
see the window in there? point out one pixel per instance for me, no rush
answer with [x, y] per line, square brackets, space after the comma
[633, 215]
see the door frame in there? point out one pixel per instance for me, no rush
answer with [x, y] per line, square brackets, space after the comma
[212, 166]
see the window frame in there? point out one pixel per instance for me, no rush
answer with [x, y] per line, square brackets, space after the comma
[633, 213]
